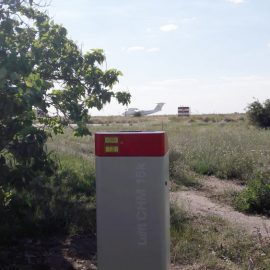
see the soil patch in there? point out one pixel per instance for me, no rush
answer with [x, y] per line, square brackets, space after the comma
[197, 202]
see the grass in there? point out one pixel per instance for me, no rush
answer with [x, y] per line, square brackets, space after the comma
[180, 175]
[63, 203]
[229, 151]
[76, 191]
[211, 243]
[256, 197]
[225, 148]
[220, 145]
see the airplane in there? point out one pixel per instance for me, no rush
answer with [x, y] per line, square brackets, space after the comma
[137, 112]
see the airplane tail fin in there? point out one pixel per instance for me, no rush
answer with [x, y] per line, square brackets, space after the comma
[159, 107]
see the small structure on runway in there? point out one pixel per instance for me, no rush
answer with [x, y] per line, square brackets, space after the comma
[183, 111]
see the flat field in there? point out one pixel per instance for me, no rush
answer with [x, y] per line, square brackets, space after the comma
[213, 158]
[221, 145]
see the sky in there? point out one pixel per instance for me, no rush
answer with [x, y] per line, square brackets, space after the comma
[211, 55]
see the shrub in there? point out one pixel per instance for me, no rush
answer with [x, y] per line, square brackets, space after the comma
[259, 113]
[58, 204]
[256, 197]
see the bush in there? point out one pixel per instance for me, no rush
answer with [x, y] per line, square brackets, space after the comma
[256, 197]
[259, 113]
[59, 204]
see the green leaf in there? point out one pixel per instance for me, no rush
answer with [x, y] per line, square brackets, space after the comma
[3, 73]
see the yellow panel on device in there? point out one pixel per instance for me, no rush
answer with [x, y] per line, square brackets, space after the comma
[111, 149]
[111, 139]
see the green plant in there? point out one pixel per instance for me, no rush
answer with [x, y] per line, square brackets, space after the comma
[59, 204]
[259, 113]
[36, 56]
[256, 197]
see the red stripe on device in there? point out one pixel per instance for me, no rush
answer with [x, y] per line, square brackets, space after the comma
[131, 143]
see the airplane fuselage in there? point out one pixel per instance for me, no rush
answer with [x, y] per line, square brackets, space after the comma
[136, 111]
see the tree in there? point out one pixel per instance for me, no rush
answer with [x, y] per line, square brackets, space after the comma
[42, 70]
[259, 113]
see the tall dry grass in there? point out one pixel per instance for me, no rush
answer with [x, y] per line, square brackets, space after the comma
[227, 149]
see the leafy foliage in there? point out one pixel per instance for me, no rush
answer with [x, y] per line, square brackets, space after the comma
[62, 203]
[259, 113]
[256, 197]
[42, 71]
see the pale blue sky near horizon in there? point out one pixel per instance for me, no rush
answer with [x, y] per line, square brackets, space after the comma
[211, 55]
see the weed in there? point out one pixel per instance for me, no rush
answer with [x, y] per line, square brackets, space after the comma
[256, 197]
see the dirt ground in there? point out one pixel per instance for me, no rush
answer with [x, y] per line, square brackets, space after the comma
[77, 252]
[73, 253]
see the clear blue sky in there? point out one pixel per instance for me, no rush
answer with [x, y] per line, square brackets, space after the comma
[213, 55]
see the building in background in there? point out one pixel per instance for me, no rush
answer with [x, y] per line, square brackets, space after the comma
[183, 111]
